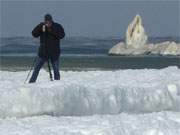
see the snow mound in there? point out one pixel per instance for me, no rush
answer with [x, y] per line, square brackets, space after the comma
[90, 92]
[163, 123]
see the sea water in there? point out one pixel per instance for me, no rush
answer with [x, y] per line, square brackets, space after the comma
[80, 53]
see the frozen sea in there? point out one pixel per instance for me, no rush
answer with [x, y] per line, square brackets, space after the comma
[97, 94]
[121, 102]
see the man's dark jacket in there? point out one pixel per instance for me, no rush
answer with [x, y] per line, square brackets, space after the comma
[49, 40]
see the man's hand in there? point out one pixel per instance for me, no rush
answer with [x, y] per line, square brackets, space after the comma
[48, 26]
[49, 29]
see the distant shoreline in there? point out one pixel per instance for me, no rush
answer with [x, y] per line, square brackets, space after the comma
[91, 55]
[95, 62]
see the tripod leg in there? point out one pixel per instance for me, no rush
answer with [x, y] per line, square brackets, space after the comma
[49, 68]
[31, 69]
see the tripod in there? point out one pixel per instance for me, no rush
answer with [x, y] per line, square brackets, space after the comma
[46, 49]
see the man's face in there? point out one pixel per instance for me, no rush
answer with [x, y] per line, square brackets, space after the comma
[48, 23]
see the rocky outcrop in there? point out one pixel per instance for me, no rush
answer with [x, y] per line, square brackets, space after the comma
[135, 34]
[172, 49]
[136, 43]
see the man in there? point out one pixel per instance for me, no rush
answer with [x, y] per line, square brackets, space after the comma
[50, 34]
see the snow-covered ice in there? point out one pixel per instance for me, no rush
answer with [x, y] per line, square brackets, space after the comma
[133, 102]
[92, 92]
[163, 123]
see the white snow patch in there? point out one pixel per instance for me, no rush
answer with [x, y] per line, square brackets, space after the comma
[163, 123]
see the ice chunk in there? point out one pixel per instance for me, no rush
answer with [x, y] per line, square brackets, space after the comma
[91, 92]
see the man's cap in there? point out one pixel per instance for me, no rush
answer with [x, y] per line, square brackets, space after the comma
[48, 17]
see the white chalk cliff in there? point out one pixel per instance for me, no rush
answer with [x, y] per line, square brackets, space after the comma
[136, 42]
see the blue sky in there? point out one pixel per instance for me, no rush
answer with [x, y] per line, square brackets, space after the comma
[91, 18]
